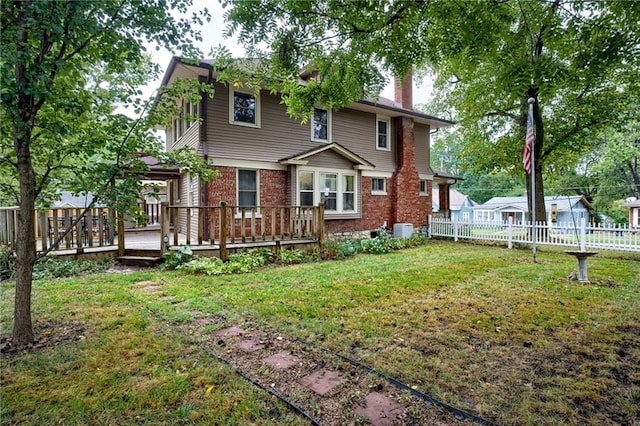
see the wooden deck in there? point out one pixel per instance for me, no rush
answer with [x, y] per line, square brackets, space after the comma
[209, 230]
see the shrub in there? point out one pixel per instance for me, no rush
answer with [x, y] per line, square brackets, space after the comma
[291, 256]
[243, 262]
[204, 265]
[266, 253]
[7, 263]
[340, 249]
[175, 258]
[51, 267]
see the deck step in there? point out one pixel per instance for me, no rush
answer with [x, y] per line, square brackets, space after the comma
[139, 260]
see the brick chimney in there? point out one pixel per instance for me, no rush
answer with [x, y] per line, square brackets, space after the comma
[407, 205]
[404, 90]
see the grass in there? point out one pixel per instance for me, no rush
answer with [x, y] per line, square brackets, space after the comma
[483, 328]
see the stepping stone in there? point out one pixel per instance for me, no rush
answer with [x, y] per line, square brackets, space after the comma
[281, 361]
[227, 333]
[379, 409]
[251, 345]
[151, 288]
[322, 381]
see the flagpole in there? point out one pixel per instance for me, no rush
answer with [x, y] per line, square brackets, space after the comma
[533, 181]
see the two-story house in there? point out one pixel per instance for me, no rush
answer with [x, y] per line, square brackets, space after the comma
[368, 163]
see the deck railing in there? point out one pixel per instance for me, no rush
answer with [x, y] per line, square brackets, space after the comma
[577, 235]
[224, 224]
[62, 228]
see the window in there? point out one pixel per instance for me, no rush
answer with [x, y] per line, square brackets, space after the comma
[247, 188]
[348, 193]
[378, 185]
[305, 186]
[329, 188]
[321, 125]
[383, 140]
[336, 189]
[244, 108]
[423, 187]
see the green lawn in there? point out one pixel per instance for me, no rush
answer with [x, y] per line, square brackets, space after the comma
[482, 328]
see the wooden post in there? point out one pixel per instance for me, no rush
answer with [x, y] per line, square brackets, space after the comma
[164, 225]
[120, 222]
[44, 230]
[321, 229]
[223, 231]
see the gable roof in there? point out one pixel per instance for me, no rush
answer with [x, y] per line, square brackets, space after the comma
[302, 158]
[184, 69]
[632, 203]
[456, 199]
[564, 203]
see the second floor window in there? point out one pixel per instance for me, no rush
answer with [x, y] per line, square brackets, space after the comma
[244, 108]
[321, 125]
[383, 140]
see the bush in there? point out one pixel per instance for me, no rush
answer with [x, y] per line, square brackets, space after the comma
[52, 267]
[7, 263]
[266, 253]
[239, 263]
[175, 258]
[204, 266]
[340, 249]
[291, 256]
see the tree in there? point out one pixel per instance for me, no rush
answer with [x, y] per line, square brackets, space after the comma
[577, 59]
[480, 186]
[56, 113]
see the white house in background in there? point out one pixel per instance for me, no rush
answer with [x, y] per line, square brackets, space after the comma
[634, 212]
[560, 208]
[68, 200]
[460, 205]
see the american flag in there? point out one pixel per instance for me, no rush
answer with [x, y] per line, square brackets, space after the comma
[528, 144]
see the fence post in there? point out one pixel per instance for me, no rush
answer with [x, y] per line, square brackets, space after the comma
[583, 234]
[510, 232]
[429, 226]
[455, 228]
[223, 231]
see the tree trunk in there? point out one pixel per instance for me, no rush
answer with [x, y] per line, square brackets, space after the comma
[25, 245]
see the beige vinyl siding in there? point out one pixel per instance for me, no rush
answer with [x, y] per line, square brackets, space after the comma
[278, 137]
[281, 136]
[184, 201]
[356, 131]
[190, 138]
[421, 135]
[330, 159]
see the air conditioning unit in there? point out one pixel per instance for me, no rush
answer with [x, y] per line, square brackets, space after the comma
[402, 230]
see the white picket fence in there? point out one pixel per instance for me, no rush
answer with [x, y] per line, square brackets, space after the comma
[578, 235]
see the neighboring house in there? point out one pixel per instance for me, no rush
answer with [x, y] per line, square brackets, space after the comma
[460, 205]
[634, 212]
[68, 200]
[368, 163]
[567, 209]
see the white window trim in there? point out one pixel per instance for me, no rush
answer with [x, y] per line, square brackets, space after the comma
[329, 126]
[426, 187]
[339, 190]
[388, 121]
[384, 180]
[232, 91]
[238, 213]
